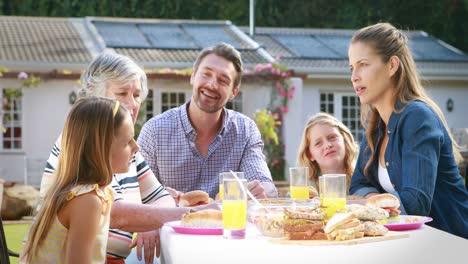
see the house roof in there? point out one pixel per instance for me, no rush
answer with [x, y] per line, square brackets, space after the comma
[40, 40]
[322, 53]
[172, 43]
[46, 44]
[38, 43]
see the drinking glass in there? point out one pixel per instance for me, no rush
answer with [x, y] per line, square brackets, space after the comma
[332, 192]
[234, 207]
[298, 182]
[239, 174]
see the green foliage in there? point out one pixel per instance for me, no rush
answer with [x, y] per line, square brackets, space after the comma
[266, 123]
[14, 234]
[269, 121]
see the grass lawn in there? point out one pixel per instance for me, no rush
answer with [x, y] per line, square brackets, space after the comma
[14, 235]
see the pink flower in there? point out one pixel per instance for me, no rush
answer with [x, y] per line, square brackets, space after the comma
[284, 109]
[279, 86]
[291, 95]
[259, 68]
[22, 76]
[293, 87]
[283, 93]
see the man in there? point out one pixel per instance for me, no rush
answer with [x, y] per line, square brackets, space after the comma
[118, 77]
[187, 147]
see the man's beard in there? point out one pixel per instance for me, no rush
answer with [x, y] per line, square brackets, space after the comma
[209, 109]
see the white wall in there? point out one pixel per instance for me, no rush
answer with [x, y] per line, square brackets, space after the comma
[255, 96]
[458, 92]
[293, 125]
[44, 111]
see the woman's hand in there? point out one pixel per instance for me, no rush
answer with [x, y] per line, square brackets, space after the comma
[174, 193]
[370, 194]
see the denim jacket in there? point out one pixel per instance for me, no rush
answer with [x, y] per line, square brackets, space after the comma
[421, 167]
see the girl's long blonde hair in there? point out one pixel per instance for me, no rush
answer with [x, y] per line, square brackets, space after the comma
[351, 148]
[387, 41]
[84, 159]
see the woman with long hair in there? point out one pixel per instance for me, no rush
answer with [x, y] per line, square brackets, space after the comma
[408, 150]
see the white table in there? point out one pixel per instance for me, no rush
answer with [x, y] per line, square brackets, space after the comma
[425, 245]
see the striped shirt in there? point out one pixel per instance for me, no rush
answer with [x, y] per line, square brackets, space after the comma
[53, 247]
[167, 142]
[138, 185]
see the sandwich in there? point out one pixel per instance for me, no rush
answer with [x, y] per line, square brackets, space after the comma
[388, 202]
[209, 218]
[367, 213]
[304, 224]
[370, 217]
[194, 198]
[373, 228]
[344, 226]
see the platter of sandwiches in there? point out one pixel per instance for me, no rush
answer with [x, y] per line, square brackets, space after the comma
[360, 224]
[356, 224]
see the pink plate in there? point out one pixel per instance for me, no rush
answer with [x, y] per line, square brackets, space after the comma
[193, 230]
[408, 222]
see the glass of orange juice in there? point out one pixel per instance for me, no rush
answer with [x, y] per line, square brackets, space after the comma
[234, 207]
[229, 175]
[298, 177]
[332, 193]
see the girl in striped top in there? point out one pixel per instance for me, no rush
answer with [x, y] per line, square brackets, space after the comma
[72, 225]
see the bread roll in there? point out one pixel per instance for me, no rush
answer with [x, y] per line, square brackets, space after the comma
[384, 200]
[205, 218]
[193, 198]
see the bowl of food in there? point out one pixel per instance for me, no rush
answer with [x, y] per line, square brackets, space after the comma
[268, 219]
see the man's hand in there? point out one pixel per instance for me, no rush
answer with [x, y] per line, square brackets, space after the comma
[174, 193]
[150, 242]
[257, 189]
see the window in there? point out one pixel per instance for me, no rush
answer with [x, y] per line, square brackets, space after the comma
[149, 105]
[171, 100]
[11, 118]
[236, 103]
[158, 103]
[326, 103]
[346, 107]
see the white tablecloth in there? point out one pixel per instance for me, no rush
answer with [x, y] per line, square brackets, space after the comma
[425, 245]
